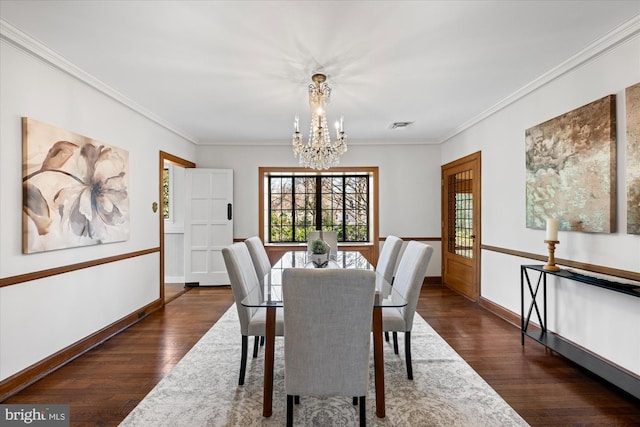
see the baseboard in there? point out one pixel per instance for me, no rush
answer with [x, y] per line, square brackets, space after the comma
[432, 280]
[37, 371]
[500, 311]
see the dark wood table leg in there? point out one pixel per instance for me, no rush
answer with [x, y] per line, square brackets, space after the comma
[269, 349]
[378, 361]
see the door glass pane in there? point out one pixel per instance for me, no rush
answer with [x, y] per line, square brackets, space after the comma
[460, 214]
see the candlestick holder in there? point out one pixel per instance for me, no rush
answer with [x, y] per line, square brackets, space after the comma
[551, 262]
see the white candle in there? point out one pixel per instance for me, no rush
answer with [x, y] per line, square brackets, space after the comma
[552, 229]
[295, 125]
[341, 123]
[337, 129]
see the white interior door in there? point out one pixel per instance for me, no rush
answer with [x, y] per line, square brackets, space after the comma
[208, 225]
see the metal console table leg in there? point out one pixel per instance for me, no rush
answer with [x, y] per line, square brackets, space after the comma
[542, 319]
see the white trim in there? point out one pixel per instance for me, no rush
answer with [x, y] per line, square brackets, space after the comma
[354, 142]
[169, 228]
[33, 47]
[614, 38]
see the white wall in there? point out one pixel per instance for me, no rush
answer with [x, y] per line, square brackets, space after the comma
[99, 296]
[601, 321]
[409, 206]
[41, 317]
[409, 192]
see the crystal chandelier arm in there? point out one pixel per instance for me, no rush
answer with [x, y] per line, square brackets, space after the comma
[325, 91]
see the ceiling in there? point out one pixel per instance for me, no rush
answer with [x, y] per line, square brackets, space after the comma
[237, 72]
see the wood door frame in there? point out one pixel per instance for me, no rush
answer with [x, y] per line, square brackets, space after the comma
[178, 161]
[476, 160]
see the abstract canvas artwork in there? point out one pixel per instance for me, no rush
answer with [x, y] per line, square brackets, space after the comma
[632, 95]
[74, 189]
[571, 167]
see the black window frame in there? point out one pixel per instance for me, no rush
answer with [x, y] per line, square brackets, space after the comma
[342, 230]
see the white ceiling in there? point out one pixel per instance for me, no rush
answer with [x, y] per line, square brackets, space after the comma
[237, 71]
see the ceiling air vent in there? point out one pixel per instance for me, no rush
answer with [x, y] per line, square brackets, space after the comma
[400, 125]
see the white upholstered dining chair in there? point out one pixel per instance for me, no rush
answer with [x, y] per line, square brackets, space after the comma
[244, 279]
[328, 315]
[259, 257]
[262, 264]
[408, 282]
[387, 262]
[389, 257]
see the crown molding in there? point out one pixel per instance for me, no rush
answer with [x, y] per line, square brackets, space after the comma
[618, 36]
[623, 33]
[283, 142]
[28, 44]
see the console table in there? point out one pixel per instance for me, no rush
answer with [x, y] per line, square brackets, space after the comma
[616, 376]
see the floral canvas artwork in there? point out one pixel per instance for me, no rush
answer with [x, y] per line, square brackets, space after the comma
[74, 190]
[571, 169]
[632, 95]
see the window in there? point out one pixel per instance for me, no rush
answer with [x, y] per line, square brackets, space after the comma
[167, 190]
[297, 203]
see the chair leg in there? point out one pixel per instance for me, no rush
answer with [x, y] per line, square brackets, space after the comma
[407, 353]
[355, 400]
[243, 359]
[289, 410]
[386, 336]
[262, 341]
[363, 411]
[395, 342]
[255, 346]
[296, 399]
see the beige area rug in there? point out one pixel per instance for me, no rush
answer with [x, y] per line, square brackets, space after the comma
[203, 390]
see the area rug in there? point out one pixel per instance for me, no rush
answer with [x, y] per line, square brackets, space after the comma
[202, 389]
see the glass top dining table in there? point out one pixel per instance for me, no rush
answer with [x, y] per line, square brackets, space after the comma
[271, 294]
[270, 298]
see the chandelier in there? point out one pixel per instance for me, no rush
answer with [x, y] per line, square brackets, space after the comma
[319, 152]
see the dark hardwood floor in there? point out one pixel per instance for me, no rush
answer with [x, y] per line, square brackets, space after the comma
[543, 387]
[106, 383]
[173, 291]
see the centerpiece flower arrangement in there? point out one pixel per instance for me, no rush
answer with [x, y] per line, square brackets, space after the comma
[319, 253]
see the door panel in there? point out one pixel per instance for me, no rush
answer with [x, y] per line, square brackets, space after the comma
[460, 276]
[208, 225]
[461, 225]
